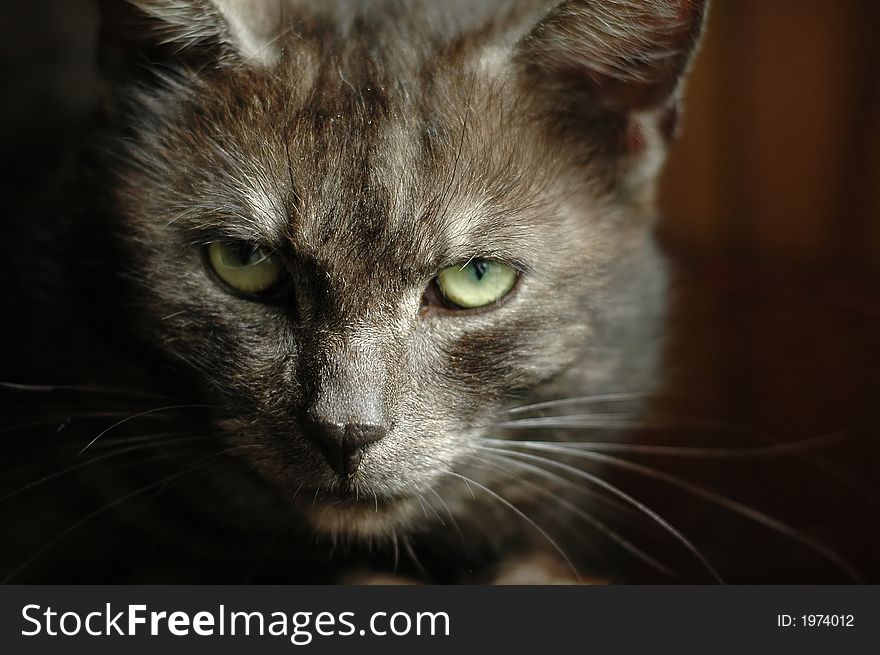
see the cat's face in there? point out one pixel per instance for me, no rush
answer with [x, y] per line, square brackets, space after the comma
[370, 235]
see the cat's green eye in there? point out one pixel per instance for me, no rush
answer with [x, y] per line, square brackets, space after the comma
[478, 283]
[247, 268]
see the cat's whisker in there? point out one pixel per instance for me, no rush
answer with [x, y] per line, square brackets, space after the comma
[63, 421]
[422, 504]
[599, 525]
[601, 421]
[734, 506]
[396, 550]
[466, 482]
[435, 512]
[94, 460]
[102, 446]
[449, 513]
[600, 500]
[411, 553]
[520, 514]
[119, 501]
[204, 472]
[114, 442]
[51, 388]
[578, 400]
[222, 452]
[593, 479]
[133, 417]
[425, 503]
[696, 452]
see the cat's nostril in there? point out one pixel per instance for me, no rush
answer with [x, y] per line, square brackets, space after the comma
[342, 444]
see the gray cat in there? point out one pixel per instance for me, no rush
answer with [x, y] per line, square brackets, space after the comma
[383, 244]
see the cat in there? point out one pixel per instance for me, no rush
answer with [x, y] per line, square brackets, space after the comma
[333, 268]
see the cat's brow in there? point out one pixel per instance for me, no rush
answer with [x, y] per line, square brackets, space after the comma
[256, 215]
[233, 226]
[476, 234]
[507, 253]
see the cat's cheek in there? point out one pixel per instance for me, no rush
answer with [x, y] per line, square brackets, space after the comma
[491, 366]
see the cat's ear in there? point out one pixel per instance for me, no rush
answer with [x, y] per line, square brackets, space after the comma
[197, 33]
[612, 67]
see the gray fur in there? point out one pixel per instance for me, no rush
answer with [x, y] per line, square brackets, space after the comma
[371, 144]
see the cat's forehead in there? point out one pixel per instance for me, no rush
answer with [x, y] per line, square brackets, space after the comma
[376, 204]
[344, 164]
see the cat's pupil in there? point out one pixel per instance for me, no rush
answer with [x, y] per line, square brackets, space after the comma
[243, 254]
[479, 269]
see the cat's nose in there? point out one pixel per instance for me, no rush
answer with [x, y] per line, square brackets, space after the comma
[343, 444]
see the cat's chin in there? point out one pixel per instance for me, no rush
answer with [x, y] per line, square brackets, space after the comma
[364, 519]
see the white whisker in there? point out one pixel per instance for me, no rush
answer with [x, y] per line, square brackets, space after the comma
[595, 398]
[140, 415]
[731, 505]
[586, 516]
[94, 460]
[519, 513]
[620, 421]
[696, 452]
[589, 477]
[160, 483]
[49, 388]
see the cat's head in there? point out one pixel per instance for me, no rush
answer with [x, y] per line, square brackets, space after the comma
[370, 227]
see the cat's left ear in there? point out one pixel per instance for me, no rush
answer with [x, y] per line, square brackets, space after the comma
[612, 70]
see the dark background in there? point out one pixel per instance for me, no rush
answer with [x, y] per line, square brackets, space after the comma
[772, 211]
[772, 221]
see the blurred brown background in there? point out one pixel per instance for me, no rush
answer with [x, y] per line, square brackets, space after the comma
[772, 216]
[780, 152]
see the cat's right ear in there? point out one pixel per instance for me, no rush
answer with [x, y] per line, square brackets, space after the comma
[610, 72]
[137, 35]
